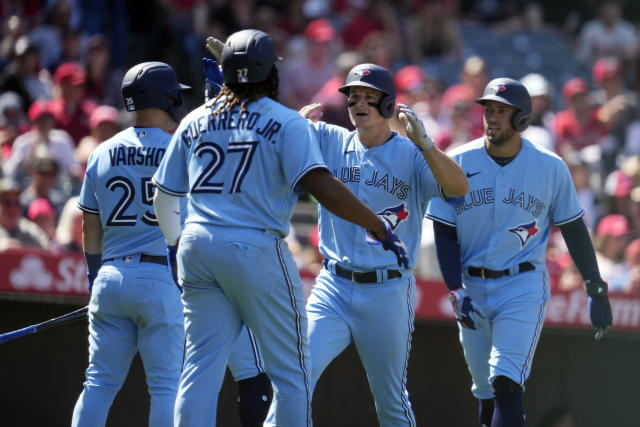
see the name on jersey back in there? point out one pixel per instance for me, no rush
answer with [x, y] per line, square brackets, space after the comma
[122, 155]
[231, 120]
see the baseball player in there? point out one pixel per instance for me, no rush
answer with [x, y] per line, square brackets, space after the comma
[361, 295]
[135, 304]
[491, 249]
[241, 160]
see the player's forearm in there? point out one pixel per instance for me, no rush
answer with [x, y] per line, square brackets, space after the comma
[337, 198]
[447, 172]
[580, 247]
[167, 208]
[448, 253]
[91, 233]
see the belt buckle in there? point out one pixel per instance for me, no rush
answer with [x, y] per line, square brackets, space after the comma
[353, 276]
[482, 273]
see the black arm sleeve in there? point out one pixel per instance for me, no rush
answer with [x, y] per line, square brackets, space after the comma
[578, 241]
[448, 252]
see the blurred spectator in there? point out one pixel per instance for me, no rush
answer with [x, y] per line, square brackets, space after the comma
[12, 29]
[632, 260]
[13, 122]
[103, 124]
[334, 103]
[409, 82]
[607, 35]
[232, 16]
[311, 252]
[41, 137]
[539, 129]
[579, 170]
[103, 81]
[612, 235]
[24, 75]
[458, 102]
[433, 31]
[577, 126]
[41, 212]
[17, 231]
[312, 67]
[27, 11]
[43, 170]
[370, 16]
[48, 36]
[380, 48]
[69, 230]
[429, 109]
[70, 106]
[474, 75]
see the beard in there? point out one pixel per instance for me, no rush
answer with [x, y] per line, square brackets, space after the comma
[501, 137]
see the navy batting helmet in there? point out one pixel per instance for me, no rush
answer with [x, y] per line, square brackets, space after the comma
[510, 92]
[376, 77]
[154, 84]
[248, 57]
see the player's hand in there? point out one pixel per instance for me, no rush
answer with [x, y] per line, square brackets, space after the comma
[91, 278]
[599, 307]
[414, 128]
[391, 242]
[172, 250]
[215, 46]
[213, 74]
[311, 111]
[464, 309]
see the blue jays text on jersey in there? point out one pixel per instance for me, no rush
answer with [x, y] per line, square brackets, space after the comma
[376, 178]
[526, 201]
[230, 120]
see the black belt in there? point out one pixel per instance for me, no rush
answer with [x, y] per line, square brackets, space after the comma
[485, 273]
[154, 259]
[364, 276]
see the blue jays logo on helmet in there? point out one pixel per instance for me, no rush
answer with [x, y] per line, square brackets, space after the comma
[524, 232]
[362, 72]
[394, 215]
[500, 87]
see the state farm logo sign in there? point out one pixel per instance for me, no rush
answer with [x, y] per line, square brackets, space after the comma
[58, 275]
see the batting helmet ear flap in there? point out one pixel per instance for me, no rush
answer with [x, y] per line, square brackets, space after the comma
[520, 120]
[387, 106]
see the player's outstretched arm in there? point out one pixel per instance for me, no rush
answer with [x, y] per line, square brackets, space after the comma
[578, 242]
[446, 171]
[336, 197]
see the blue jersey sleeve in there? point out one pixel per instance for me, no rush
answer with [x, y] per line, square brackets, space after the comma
[171, 176]
[566, 206]
[299, 151]
[441, 211]
[87, 200]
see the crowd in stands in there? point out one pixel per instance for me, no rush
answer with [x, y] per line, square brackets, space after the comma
[62, 61]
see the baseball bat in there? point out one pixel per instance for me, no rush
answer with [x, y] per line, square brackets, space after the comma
[69, 317]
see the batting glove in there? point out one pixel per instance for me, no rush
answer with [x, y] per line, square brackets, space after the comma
[392, 243]
[414, 128]
[599, 308]
[172, 250]
[464, 309]
[213, 74]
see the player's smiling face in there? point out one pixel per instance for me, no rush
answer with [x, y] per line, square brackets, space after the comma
[363, 106]
[497, 122]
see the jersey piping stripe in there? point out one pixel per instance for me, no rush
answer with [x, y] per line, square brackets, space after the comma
[256, 351]
[536, 337]
[569, 220]
[87, 209]
[298, 328]
[304, 172]
[435, 218]
[404, 393]
[166, 190]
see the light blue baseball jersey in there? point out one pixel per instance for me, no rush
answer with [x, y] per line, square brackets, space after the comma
[506, 216]
[118, 187]
[393, 179]
[238, 169]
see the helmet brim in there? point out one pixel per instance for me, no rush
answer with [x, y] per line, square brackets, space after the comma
[486, 98]
[345, 89]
